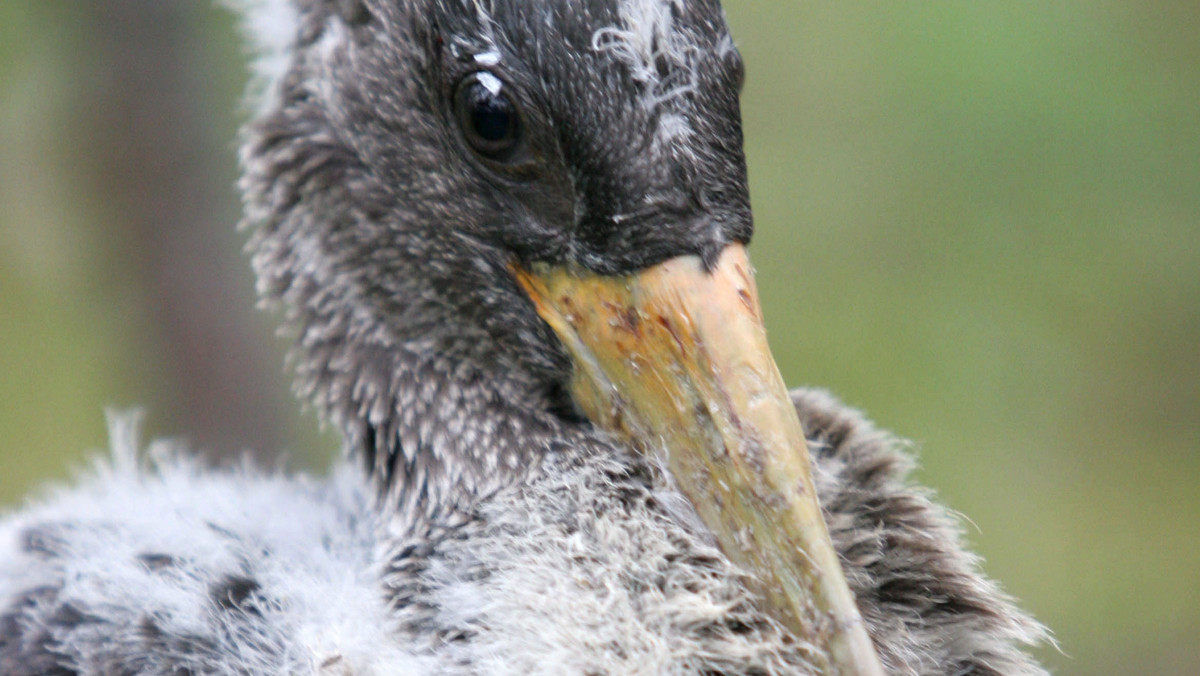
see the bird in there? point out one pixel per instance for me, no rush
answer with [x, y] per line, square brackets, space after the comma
[509, 241]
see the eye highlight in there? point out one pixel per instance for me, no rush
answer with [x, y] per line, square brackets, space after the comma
[488, 117]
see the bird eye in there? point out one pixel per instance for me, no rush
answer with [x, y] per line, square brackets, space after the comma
[488, 117]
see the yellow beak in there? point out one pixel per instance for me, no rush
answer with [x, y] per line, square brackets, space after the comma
[674, 361]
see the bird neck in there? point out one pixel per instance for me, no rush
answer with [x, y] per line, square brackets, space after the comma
[442, 431]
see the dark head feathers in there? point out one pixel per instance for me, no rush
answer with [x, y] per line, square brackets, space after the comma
[387, 238]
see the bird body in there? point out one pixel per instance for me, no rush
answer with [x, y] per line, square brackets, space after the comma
[416, 169]
[154, 564]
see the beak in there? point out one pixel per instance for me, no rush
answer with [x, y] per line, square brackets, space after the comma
[674, 361]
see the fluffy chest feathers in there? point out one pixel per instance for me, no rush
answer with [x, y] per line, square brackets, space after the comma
[590, 569]
[164, 568]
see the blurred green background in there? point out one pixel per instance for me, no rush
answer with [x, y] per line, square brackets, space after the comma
[980, 222]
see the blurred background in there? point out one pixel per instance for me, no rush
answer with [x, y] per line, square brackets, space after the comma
[979, 222]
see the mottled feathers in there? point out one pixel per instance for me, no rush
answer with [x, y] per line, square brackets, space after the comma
[158, 566]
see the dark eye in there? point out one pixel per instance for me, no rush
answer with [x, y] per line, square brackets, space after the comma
[489, 118]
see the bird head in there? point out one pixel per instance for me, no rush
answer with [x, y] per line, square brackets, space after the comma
[503, 230]
[412, 151]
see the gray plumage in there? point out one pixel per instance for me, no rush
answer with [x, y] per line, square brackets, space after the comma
[485, 526]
